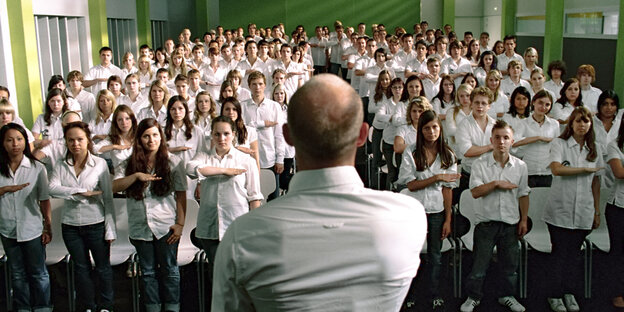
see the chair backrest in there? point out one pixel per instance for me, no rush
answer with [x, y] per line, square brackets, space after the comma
[121, 248]
[600, 236]
[186, 249]
[467, 209]
[538, 238]
[56, 249]
[267, 182]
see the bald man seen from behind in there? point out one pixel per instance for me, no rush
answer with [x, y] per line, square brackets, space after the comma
[329, 244]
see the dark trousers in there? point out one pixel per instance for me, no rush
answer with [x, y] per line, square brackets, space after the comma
[615, 224]
[434, 250]
[334, 68]
[343, 71]
[80, 240]
[566, 247]
[276, 193]
[286, 175]
[393, 172]
[487, 235]
[320, 69]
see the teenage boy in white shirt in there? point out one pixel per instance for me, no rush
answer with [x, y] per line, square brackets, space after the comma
[499, 183]
[353, 58]
[514, 80]
[509, 55]
[456, 66]
[586, 74]
[97, 76]
[337, 40]
[432, 83]
[405, 55]
[319, 44]
[484, 41]
[418, 65]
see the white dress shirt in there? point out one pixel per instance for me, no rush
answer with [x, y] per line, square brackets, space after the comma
[470, 134]
[500, 105]
[318, 53]
[571, 203]
[100, 71]
[197, 142]
[217, 77]
[499, 205]
[417, 66]
[382, 119]
[20, 213]
[116, 156]
[408, 133]
[270, 139]
[101, 128]
[154, 215]
[431, 87]
[508, 86]
[137, 105]
[449, 66]
[617, 196]
[80, 210]
[371, 77]
[554, 88]
[590, 98]
[534, 153]
[148, 112]
[86, 100]
[224, 198]
[328, 245]
[561, 112]
[430, 196]
[48, 132]
[503, 60]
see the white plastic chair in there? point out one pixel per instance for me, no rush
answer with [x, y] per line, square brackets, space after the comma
[267, 183]
[600, 236]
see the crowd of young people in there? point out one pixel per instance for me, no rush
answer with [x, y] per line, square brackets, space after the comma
[199, 118]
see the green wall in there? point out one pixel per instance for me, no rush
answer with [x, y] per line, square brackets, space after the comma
[310, 13]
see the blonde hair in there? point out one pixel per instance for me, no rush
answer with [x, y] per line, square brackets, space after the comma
[464, 87]
[495, 74]
[149, 66]
[108, 95]
[162, 86]
[420, 102]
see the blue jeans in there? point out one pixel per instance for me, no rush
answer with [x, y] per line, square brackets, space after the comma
[505, 237]
[29, 275]
[79, 240]
[153, 254]
[434, 249]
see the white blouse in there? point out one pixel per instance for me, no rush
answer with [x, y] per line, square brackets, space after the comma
[197, 142]
[20, 213]
[571, 203]
[154, 215]
[80, 210]
[224, 198]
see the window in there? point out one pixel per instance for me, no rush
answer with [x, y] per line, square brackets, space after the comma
[62, 45]
[122, 38]
[158, 34]
[592, 23]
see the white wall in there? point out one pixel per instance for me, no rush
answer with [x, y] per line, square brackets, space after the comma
[492, 19]
[7, 76]
[121, 9]
[531, 7]
[61, 7]
[588, 6]
[468, 17]
[431, 11]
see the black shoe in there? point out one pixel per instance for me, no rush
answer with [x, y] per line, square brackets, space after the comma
[438, 304]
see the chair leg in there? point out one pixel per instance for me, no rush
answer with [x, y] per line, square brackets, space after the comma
[458, 269]
[522, 270]
[134, 260]
[201, 269]
[588, 268]
[7, 284]
[71, 286]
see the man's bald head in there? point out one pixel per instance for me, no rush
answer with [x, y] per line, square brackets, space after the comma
[324, 119]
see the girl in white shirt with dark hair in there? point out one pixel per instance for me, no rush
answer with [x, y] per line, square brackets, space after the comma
[230, 185]
[88, 217]
[573, 209]
[430, 171]
[25, 218]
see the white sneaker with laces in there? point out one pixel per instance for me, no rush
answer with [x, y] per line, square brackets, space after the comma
[570, 303]
[511, 303]
[469, 305]
[556, 305]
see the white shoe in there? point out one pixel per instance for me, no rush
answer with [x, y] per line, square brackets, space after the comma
[570, 303]
[469, 305]
[511, 303]
[556, 305]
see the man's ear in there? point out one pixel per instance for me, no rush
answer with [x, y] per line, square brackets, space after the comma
[286, 133]
[363, 135]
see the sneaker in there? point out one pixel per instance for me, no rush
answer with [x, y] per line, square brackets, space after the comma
[556, 305]
[570, 303]
[469, 305]
[511, 303]
[438, 304]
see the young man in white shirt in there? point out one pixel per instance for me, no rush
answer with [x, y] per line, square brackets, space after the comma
[265, 115]
[405, 55]
[456, 66]
[418, 65]
[337, 41]
[363, 63]
[586, 74]
[514, 80]
[499, 183]
[360, 45]
[319, 44]
[484, 41]
[509, 55]
[432, 83]
[321, 244]
[85, 98]
[97, 76]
